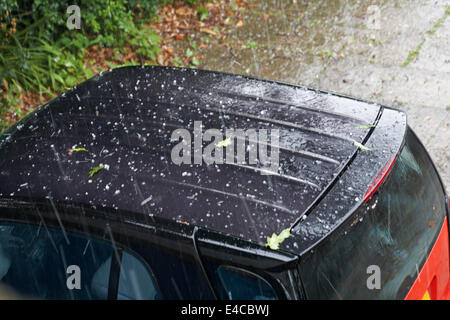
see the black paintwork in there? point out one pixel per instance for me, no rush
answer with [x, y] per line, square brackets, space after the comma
[124, 118]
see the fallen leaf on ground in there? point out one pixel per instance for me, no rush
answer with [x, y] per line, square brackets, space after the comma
[208, 31]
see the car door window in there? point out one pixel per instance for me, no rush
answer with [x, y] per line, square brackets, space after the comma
[177, 273]
[239, 284]
[135, 281]
[46, 263]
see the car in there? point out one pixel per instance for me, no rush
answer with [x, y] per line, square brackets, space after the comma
[100, 198]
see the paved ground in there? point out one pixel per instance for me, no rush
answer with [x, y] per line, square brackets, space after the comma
[396, 53]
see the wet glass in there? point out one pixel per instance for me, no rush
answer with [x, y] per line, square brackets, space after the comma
[37, 262]
[240, 284]
[394, 231]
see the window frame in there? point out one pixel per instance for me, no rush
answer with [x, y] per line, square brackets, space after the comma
[278, 269]
[244, 272]
[126, 236]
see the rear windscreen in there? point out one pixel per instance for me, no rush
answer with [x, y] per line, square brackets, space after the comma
[380, 249]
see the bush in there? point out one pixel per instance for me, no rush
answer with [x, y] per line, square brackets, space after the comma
[103, 19]
[39, 53]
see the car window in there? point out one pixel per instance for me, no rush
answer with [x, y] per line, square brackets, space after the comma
[233, 283]
[46, 263]
[136, 282]
[240, 284]
[393, 232]
[177, 272]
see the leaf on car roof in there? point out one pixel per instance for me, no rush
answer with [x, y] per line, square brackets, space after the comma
[95, 170]
[224, 143]
[274, 241]
[362, 147]
[367, 126]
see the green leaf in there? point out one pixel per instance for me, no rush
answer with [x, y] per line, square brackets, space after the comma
[88, 73]
[94, 171]
[224, 143]
[79, 149]
[252, 44]
[368, 126]
[177, 61]
[111, 65]
[195, 62]
[274, 241]
[362, 147]
[203, 13]
[189, 53]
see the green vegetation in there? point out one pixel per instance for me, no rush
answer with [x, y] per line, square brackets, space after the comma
[412, 55]
[436, 25]
[275, 240]
[38, 52]
[325, 53]
[367, 126]
[95, 170]
[361, 146]
[203, 13]
[252, 45]
[430, 32]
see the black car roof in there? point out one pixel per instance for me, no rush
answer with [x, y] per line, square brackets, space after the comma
[124, 119]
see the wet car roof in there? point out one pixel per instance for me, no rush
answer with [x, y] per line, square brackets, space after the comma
[124, 119]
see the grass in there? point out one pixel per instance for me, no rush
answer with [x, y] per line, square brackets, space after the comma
[436, 25]
[252, 45]
[413, 54]
[36, 65]
[32, 62]
[325, 53]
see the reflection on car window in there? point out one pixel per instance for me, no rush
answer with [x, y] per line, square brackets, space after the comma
[45, 263]
[35, 262]
[136, 282]
[177, 274]
[239, 284]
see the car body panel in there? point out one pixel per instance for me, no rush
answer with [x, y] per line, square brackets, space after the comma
[344, 197]
[124, 119]
[433, 281]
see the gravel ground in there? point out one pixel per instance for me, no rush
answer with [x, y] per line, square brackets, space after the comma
[396, 53]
